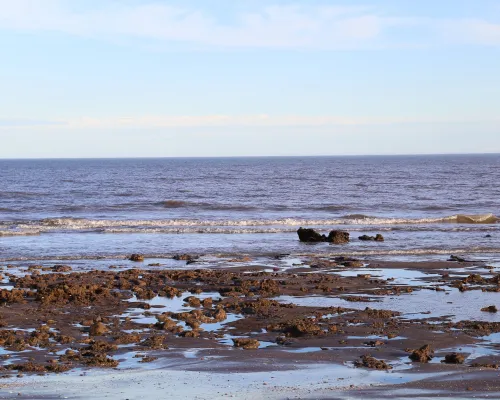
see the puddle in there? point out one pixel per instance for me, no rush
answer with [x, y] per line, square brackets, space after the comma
[175, 304]
[375, 337]
[228, 340]
[219, 325]
[456, 305]
[305, 350]
[160, 305]
[399, 276]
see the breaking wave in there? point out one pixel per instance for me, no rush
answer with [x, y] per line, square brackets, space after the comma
[356, 222]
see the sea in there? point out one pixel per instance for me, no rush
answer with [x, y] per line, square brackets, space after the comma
[426, 207]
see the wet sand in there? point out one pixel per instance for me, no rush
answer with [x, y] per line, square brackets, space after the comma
[274, 327]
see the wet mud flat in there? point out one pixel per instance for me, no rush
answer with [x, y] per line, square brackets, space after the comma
[305, 327]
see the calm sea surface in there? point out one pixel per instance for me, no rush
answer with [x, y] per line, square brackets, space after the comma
[90, 209]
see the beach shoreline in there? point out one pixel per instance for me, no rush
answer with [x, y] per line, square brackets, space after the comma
[295, 314]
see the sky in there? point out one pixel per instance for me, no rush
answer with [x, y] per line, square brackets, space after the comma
[159, 78]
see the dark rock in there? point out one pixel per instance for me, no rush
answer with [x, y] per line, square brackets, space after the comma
[487, 236]
[491, 309]
[457, 259]
[352, 264]
[281, 256]
[338, 237]
[310, 236]
[342, 259]
[136, 257]
[185, 257]
[374, 343]
[377, 238]
[423, 355]
[366, 238]
[453, 358]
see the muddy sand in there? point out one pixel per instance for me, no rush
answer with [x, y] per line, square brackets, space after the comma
[268, 327]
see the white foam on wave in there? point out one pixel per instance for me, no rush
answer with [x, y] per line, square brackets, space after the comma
[65, 224]
[91, 223]
[24, 232]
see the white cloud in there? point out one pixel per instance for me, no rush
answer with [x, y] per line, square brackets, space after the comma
[270, 27]
[471, 31]
[293, 26]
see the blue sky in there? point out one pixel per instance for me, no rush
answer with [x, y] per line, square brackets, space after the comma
[89, 78]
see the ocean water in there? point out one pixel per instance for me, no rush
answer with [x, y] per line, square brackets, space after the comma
[90, 209]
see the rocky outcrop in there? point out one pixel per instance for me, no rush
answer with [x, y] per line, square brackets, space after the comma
[338, 237]
[311, 236]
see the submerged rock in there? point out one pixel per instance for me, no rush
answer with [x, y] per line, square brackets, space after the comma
[186, 257]
[61, 268]
[457, 259]
[136, 257]
[377, 238]
[353, 264]
[366, 238]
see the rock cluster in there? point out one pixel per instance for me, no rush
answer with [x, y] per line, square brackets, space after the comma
[311, 236]
[377, 238]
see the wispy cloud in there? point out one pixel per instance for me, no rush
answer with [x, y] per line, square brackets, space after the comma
[293, 26]
[214, 121]
[222, 120]
[23, 123]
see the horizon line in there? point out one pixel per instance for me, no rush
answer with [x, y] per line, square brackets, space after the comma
[246, 156]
